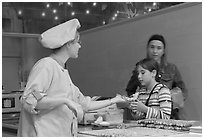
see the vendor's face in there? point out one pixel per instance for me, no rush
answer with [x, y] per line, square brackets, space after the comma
[145, 76]
[74, 48]
[155, 50]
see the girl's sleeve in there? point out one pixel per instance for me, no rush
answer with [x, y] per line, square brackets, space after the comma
[137, 115]
[164, 112]
[38, 82]
[84, 101]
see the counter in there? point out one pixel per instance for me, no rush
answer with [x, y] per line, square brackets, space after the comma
[11, 130]
[136, 132]
[171, 128]
[87, 131]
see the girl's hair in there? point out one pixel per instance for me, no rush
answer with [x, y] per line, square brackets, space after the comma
[150, 64]
[159, 38]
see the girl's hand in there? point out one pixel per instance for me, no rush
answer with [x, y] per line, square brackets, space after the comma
[138, 106]
[133, 105]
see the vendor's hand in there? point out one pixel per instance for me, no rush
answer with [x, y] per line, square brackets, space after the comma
[118, 98]
[138, 106]
[76, 108]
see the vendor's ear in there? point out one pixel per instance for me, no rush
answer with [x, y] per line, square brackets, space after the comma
[154, 73]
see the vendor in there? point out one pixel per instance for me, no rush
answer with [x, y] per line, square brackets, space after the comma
[51, 103]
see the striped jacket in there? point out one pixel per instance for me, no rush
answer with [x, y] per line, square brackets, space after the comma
[159, 105]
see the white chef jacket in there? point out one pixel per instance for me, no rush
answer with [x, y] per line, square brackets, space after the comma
[48, 78]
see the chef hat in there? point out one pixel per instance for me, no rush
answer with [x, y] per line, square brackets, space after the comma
[60, 34]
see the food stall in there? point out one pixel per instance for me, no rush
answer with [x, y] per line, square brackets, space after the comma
[113, 73]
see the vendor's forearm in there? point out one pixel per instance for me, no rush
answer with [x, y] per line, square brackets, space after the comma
[100, 104]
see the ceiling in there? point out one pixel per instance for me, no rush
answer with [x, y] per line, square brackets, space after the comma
[90, 14]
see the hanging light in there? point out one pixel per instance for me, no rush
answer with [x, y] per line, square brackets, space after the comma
[70, 4]
[48, 5]
[54, 11]
[87, 11]
[56, 17]
[73, 13]
[19, 12]
[94, 4]
[43, 14]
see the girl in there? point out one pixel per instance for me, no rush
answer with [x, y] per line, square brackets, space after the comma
[169, 74]
[154, 98]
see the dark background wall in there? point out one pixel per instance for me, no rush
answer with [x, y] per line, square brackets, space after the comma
[109, 54]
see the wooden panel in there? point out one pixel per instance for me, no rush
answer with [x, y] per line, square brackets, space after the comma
[10, 74]
[10, 46]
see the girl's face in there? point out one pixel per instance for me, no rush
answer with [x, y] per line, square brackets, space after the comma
[145, 76]
[73, 47]
[155, 50]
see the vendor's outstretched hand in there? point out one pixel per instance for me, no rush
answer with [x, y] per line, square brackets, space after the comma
[118, 98]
